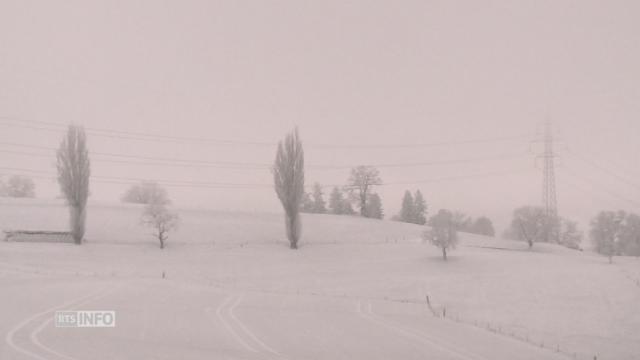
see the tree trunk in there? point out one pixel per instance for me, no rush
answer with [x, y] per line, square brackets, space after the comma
[363, 205]
[526, 236]
[444, 253]
[77, 216]
[293, 229]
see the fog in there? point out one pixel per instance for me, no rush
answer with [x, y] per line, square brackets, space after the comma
[461, 89]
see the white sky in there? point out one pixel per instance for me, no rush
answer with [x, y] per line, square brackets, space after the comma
[344, 72]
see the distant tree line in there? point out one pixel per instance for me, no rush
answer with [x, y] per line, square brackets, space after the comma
[464, 223]
[359, 191]
[531, 224]
[414, 210]
[146, 192]
[340, 203]
[18, 186]
[613, 233]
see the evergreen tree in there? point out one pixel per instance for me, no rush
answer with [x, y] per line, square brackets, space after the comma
[347, 208]
[319, 206]
[336, 202]
[374, 207]
[306, 205]
[407, 212]
[420, 208]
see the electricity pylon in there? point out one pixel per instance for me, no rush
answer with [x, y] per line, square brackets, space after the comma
[549, 198]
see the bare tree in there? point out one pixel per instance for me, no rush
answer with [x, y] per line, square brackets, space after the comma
[288, 173]
[528, 224]
[157, 216]
[443, 232]
[362, 180]
[73, 176]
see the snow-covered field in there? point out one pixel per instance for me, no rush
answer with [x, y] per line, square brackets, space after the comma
[356, 289]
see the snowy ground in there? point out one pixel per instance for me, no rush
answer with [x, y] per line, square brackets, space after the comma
[356, 289]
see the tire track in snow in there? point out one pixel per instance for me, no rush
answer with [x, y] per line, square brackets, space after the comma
[10, 338]
[243, 335]
[249, 332]
[414, 335]
[228, 327]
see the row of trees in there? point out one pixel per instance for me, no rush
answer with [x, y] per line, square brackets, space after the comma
[288, 174]
[464, 223]
[414, 210]
[532, 224]
[613, 233]
[74, 171]
[18, 186]
[340, 203]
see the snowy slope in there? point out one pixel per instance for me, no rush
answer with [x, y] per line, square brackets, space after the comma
[356, 289]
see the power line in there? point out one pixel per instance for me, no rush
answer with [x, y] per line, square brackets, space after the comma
[127, 135]
[603, 169]
[133, 180]
[186, 183]
[605, 189]
[584, 190]
[152, 158]
[139, 136]
[161, 161]
[459, 177]
[422, 145]
[429, 163]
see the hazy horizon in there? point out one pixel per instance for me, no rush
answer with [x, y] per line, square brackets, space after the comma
[361, 80]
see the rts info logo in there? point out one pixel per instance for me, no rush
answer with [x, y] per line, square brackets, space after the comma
[85, 318]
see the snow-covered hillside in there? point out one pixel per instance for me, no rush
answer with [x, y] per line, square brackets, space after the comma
[356, 288]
